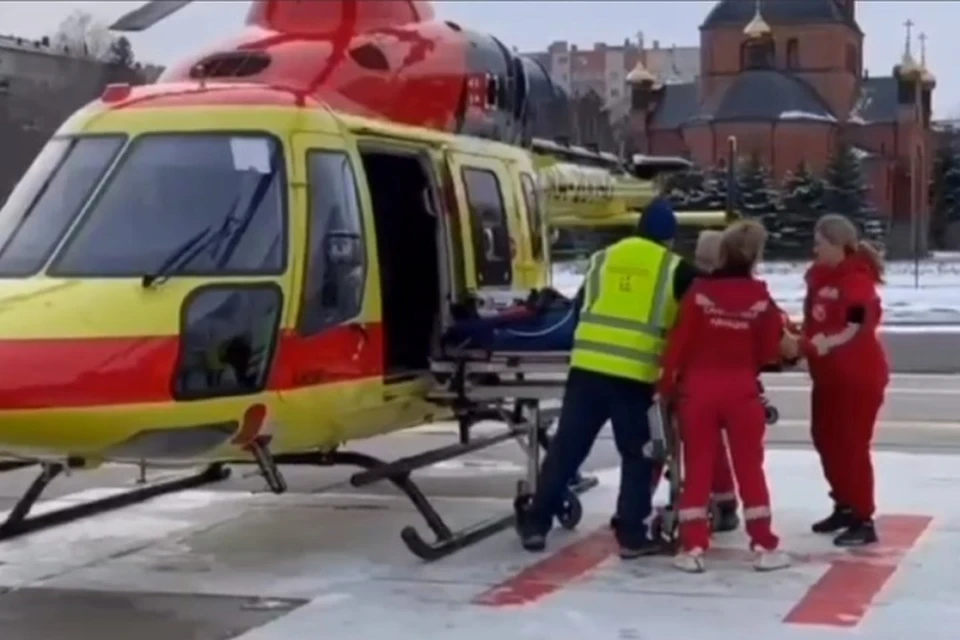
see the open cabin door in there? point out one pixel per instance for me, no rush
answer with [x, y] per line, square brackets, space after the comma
[337, 363]
[486, 223]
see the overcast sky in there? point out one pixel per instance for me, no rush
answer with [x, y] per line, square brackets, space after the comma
[532, 25]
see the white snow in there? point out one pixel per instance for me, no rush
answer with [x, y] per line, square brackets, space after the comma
[807, 115]
[930, 296]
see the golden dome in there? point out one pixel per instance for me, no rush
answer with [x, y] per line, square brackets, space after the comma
[927, 76]
[640, 75]
[908, 67]
[758, 27]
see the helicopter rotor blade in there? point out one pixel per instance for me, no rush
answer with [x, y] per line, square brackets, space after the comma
[147, 15]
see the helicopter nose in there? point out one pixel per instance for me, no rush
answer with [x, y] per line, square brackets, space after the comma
[81, 372]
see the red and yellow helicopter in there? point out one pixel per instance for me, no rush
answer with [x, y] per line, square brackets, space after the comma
[250, 260]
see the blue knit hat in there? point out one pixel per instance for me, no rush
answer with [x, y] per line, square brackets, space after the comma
[658, 221]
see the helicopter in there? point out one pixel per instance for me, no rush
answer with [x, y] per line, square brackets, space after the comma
[249, 261]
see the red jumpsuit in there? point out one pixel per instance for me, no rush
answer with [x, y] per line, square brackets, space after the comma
[728, 328]
[724, 490]
[849, 370]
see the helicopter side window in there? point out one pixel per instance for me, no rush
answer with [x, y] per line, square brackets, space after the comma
[48, 198]
[336, 258]
[531, 198]
[491, 238]
[227, 191]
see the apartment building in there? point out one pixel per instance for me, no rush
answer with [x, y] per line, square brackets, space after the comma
[603, 68]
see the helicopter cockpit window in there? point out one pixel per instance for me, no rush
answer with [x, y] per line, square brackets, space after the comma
[531, 199]
[222, 194]
[336, 258]
[48, 198]
[488, 220]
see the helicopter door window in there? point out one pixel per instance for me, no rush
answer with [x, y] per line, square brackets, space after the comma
[221, 193]
[531, 199]
[491, 237]
[48, 198]
[336, 256]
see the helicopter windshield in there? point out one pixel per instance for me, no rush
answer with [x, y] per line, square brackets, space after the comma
[48, 198]
[170, 188]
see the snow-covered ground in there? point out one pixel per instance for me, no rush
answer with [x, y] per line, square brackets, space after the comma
[929, 294]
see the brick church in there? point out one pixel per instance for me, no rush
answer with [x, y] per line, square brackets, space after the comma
[786, 78]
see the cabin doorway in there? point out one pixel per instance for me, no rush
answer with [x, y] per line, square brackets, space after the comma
[406, 221]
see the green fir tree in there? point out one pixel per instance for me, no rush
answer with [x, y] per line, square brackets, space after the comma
[944, 192]
[715, 189]
[845, 192]
[686, 189]
[121, 53]
[757, 199]
[802, 201]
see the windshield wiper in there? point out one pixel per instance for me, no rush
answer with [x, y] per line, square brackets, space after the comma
[230, 229]
[190, 249]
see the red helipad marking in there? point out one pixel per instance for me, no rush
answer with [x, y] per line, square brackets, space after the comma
[553, 572]
[842, 596]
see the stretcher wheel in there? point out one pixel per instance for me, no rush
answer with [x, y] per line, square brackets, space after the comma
[571, 511]
[521, 504]
[772, 414]
[658, 450]
[663, 527]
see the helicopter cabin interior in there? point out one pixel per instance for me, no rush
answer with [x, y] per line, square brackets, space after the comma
[418, 221]
[405, 211]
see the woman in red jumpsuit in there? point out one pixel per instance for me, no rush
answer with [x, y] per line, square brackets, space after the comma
[723, 492]
[728, 328]
[849, 370]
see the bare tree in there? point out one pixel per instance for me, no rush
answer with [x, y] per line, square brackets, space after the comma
[80, 34]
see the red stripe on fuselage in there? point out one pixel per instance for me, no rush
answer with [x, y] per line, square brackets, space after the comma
[86, 372]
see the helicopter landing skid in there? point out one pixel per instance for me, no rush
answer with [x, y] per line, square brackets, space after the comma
[531, 431]
[13, 465]
[19, 522]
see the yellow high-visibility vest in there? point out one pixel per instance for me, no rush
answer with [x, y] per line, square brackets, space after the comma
[628, 307]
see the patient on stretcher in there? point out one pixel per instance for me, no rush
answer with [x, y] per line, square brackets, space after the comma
[545, 321]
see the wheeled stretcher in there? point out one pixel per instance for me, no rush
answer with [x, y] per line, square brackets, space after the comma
[511, 387]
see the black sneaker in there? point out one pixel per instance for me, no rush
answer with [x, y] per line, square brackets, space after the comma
[533, 541]
[861, 532]
[646, 548]
[841, 518]
[726, 518]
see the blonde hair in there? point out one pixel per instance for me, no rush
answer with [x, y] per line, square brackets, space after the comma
[840, 231]
[741, 244]
[707, 252]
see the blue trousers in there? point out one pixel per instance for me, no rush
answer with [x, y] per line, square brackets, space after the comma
[589, 401]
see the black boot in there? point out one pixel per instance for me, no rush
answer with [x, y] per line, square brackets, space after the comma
[841, 518]
[859, 533]
[725, 517]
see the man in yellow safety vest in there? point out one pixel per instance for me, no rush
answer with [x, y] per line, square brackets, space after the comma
[626, 305]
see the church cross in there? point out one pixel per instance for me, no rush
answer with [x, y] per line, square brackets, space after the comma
[909, 25]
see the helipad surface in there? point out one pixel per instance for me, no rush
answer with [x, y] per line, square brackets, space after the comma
[217, 565]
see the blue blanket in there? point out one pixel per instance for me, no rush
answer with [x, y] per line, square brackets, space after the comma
[535, 327]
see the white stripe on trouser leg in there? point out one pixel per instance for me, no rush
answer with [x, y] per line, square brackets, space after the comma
[725, 443]
[691, 514]
[726, 496]
[756, 513]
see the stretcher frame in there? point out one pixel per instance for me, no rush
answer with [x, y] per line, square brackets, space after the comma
[514, 385]
[504, 386]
